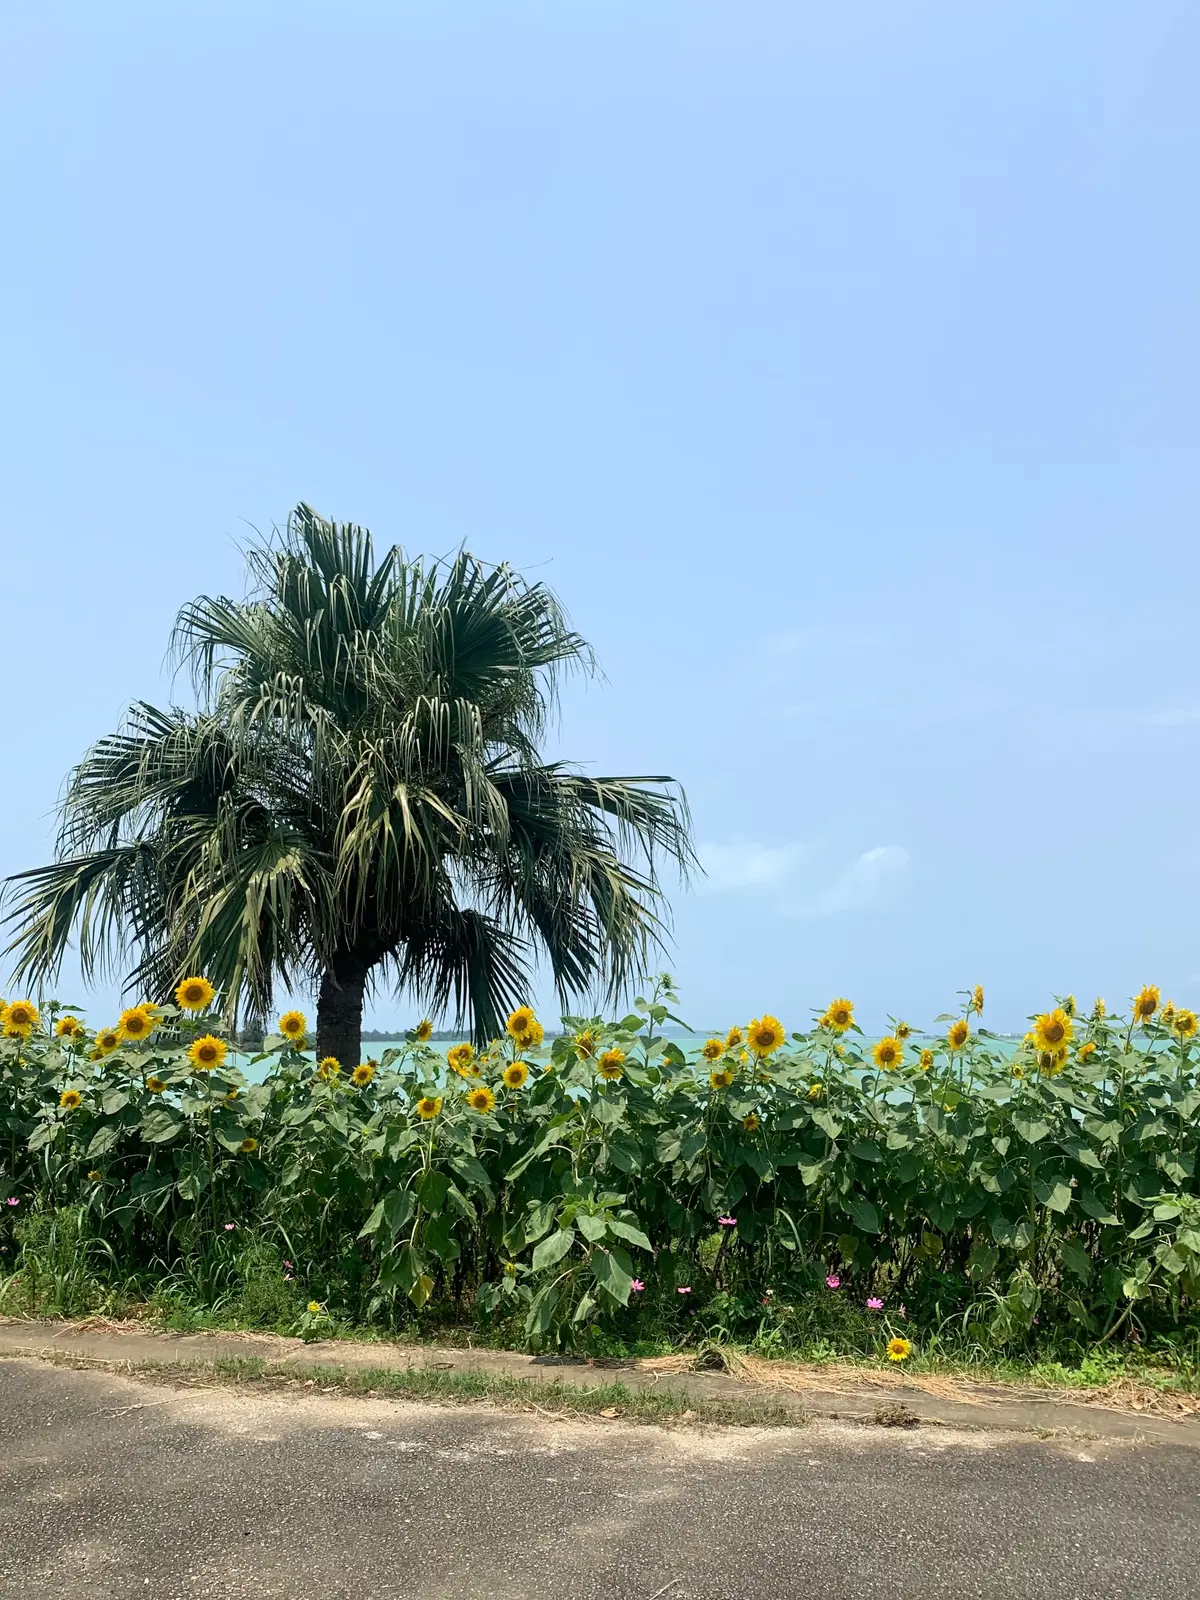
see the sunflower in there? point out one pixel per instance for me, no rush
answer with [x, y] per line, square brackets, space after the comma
[977, 1000]
[136, 1023]
[481, 1099]
[898, 1349]
[248, 1146]
[1087, 1051]
[1018, 1071]
[766, 1035]
[926, 1061]
[1167, 1014]
[428, 1107]
[959, 1034]
[585, 1043]
[424, 1031]
[1069, 1005]
[713, 1049]
[611, 1064]
[520, 1021]
[70, 1099]
[722, 1079]
[362, 1074]
[207, 1052]
[888, 1053]
[532, 1038]
[514, 1075]
[107, 1041]
[328, 1068]
[1051, 1062]
[155, 1085]
[20, 1014]
[193, 994]
[816, 1089]
[903, 1031]
[839, 1015]
[293, 1025]
[1053, 1028]
[751, 1123]
[1145, 1003]
[68, 1027]
[1186, 1024]
[95, 1176]
[733, 1038]
[461, 1059]
[314, 1307]
[231, 1094]
[1099, 1009]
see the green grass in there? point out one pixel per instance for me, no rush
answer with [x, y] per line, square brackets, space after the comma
[661, 1407]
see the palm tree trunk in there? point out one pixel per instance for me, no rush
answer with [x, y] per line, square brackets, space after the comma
[340, 1010]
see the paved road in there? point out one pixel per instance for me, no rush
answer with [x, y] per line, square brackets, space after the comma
[111, 1487]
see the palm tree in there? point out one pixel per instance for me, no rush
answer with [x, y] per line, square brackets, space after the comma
[359, 798]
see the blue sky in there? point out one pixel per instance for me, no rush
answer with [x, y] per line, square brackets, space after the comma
[836, 365]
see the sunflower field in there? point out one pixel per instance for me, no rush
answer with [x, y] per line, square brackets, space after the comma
[602, 1182]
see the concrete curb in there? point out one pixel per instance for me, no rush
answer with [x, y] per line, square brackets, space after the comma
[982, 1408]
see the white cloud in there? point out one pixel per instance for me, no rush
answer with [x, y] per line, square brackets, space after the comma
[742, 864]
[864, 885]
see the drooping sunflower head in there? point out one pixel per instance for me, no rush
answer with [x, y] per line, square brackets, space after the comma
[751, 1123]
[713, 1049]
[611, 1064]
[765, 1035]
[207, 1052]
[520, 1021]
[461, 1059]
[1053, 1029]
[107, 1041]
[733, 1038]
[1145, 1002]
[532, 1038]
[248, 1146]
[888, 1053]
[1051, 1062]
[429, 1106]
[926, 1061]
[481, 1099]
[424, 1031]
[231, 1094]
[958, 1034]
[362, 1074]
[898, 1350]
[293, 1025]
[70, 1099]
[585, 1043]
[1186, 1024]
[839, 1015]
[721, 1079]
[1087, 1051]
[68, 1027]
[154, 1084]
[136, 1023]
[977, 999]
[1018, 1071]
[515, 1075]
[20, 1018]
[816, 1089]
[328, 1068]
[194, 994]
[903, 1031]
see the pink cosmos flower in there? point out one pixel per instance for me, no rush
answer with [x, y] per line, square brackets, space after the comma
[229, 1227]
[288, 1265]
[874, 1303]
[637, 1286]
[727, 1222]
[833, 1281]
[687, 1289]
[13, 1201]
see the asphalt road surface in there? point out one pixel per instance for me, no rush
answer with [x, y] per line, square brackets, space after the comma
[112, 1487]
